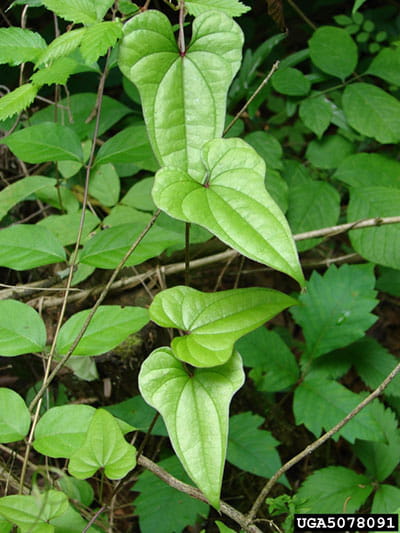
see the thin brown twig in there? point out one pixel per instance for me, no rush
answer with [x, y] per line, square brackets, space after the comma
[302, 14]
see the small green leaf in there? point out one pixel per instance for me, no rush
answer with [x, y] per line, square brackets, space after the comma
[17, 100]
[377, 244]
[104, 184]
[386, 499]
[389, 281]
[79, 11]
[21, 329]
[183, 96]
[58, 72]
[110, 326]
[49, 141]
[372, 112]
[316, 113]
[335, 310]
[223, 528]
[61, 431]
[27, 246]
[333, 51]
[104, 447]
[232, 8]
[196, 412]
[386, 65]
[15, 418]
[19, 190]
[291, 81]
[139, 195]
[99, 38]
[65, 227]
[139, 414]
[329, 152]
[369, 170]
[18, 45]
[176, 508]
[62, 46]
[357, 5]
[335, 490]
[232, 203]
[268, 147]
[213, 322]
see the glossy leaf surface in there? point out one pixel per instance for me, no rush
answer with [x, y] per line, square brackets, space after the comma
[21, 329]
[14, 416]
[232, 203]
[196, 412]
[213, 322]
[183, 96]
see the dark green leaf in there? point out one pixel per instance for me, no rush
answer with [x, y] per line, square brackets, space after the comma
[15, 418]
[267, 147]
[333, 51]
[316, 113]
[290, 81]
[369, 170]
[386, 65]
[329, 152]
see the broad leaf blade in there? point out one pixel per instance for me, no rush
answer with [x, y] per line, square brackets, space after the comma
[386, 65]
[21, 329]
[99, 38]
[233, 204]
[196, 412]
[17, 100]
[369, 170]
[18, 45]
[15, 418]
[213, 322]
[183, 97]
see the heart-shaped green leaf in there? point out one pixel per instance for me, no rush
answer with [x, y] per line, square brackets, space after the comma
[232, 203]
[196, 412]
[214, 321]
[183, 94]
[105, 447]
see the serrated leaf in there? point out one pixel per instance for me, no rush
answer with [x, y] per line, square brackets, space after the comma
[61, 431]
[99, 38]
[131, 145]
[386, 65]
[183, 97]
[21, 189]
[335, 490]
[274, 366]
[30, 512]
[232, 203]
[105, 185]
[27, 246]
[369, 170]
[79, 11]
[110, 325]
[195, 410]
[49, 141]
[329, 152]
[312, 204]
[316, 113]
[378, 244]
[21, 329]
[372, 112]
[176, 508]
[335, 310]
[333, 51]
[232, 8]
[17, 100]
[18, 45]
[322, 403]
[104, 447]
[386, 499]
[65, 227]
[291, 81]
[62, 46]
[213, 322]
[251, 449]
[15, 418]
[58, 72]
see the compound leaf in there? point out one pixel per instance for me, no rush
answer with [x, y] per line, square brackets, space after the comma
[183, 95]
[232, 8]
[15, 418]
[232, 203]
[18, 45]
[17, 100]
[196, 412]
[335, 310]
[213, 322]
[21, 329]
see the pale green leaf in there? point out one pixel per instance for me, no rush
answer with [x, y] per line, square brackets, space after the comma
[104, 184]
[377, 244]
[267, 146]
[30, 512]
[21, 329]
[104, 447]
[62, 46]
[79, 11]
[372, 112]
[223, 528]
[17, 100]
[83, 367]
[195, 409]
[274, 367]
[291, 81]
[49, 141]
[25, 246]
[335, 310]
[71, 522]
[232, 8]
[386, 499]
[99, 38]
[21, 189]
[18, 45]
[333, 51]
[329, 152]
[58, 72]
[183, 97]
[232, 203]
[316, 113]
[15, 418]
[335, 490]
[321, 403]
[369, 170]
[176, 508]
[110, 325]
[213, 322]
[386, 65]
[65, 227]
[61, 431]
